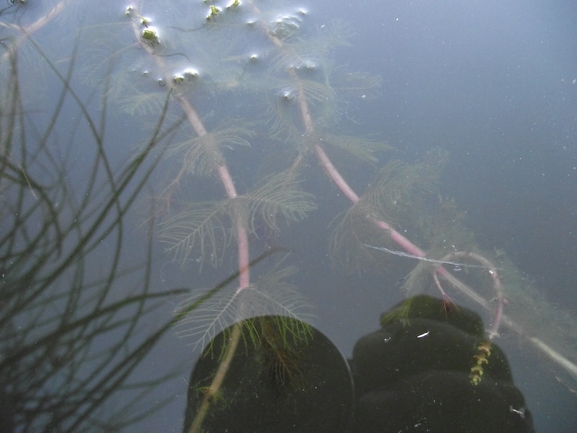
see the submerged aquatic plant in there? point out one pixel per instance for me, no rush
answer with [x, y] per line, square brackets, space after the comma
[190, 81]
[291, 87]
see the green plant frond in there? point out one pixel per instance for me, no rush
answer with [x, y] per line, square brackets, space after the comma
[143, 104]
[419, 279]
[279, 344]
[213, 316]
[286, 329]
[347, 243]
[321, 99]
[404, 196]
[316, 92]
[400, 188]
[552, 324]
[400, 313]
[269, 296]
[31, 70]
[335, 34]
[313, 50]
[398, 197]
[104, 44]
[356, 84]
[444, 230]
[282, 115]
[362, 148]
[202, 155]
[394, 185]
[201, 228]
[297, 56]
[272, 296]
[233, 134]
[283, 104]
[277, 200]
[283, 111]
[224, 32]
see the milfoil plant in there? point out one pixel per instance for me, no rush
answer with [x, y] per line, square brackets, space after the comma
[248, 83]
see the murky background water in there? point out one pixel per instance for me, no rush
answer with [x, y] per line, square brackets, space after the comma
[494, 84]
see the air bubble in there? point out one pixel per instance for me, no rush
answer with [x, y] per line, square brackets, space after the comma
[285, 26]
[190, 74]
[287, 95]
[310, 66]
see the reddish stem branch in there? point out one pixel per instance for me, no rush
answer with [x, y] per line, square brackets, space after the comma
[398, 238]
[31, 28]
[463, 255]
[222, 169]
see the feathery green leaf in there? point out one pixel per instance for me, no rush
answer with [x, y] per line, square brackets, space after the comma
[268, 296]
[202, 225]
[278, 199]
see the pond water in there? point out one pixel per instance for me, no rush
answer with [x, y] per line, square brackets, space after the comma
[153, 151]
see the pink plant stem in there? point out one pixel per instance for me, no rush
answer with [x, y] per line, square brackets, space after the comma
[493, 331]
[230, 189]
[241, 233]
[413, 249]
[243, 269]
[404, 242]
[31, 28]
[222, 169]
[334, 174]
[398, 238]
[342, 184]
